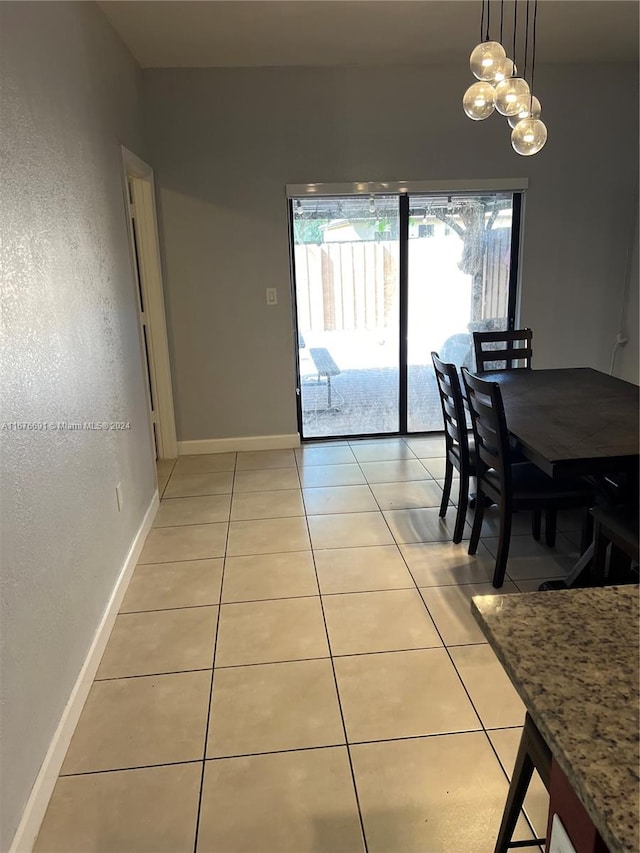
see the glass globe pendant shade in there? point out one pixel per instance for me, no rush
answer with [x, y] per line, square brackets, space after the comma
[528, 136]
[485, 59]
[479, 101]
[531, 109]
[505, 69]
[511, 95]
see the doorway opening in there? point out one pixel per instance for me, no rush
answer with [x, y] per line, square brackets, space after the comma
[145, 261]
[380, 281]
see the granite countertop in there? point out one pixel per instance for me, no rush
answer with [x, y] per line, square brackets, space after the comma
[572, 655]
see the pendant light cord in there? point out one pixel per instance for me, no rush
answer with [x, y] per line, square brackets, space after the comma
[533, 53]
[482, 22]
[526, 42]
[488, 19]
[515, 28]
[501, 19]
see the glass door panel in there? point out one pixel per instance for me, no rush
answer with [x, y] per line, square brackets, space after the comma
[458, 283]
[346, 265]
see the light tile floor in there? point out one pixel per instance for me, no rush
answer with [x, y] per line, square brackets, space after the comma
[295, 667]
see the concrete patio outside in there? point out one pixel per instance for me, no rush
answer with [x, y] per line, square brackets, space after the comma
[364, 396]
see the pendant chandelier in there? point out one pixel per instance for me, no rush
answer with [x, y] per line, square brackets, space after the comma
[500, 88]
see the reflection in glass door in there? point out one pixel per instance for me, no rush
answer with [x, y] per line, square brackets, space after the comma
[346, 271]
[459, 272]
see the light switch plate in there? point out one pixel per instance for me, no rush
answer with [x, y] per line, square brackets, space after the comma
[559, 841]
[272, 296]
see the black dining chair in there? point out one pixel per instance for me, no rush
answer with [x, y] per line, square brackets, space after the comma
[493, 348]
[616, 545]
[459, 452]
[517, 486]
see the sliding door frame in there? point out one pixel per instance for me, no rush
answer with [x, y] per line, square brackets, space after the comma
[452, 187]
[403, 283]
[403, 189]
[294, 308]
[514, 268]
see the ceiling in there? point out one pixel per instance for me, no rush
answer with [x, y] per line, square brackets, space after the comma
[232, 33]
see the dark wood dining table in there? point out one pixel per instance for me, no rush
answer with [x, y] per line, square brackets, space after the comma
[573, 422]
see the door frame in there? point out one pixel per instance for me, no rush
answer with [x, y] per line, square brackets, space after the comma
[404, 189]
[140, 176]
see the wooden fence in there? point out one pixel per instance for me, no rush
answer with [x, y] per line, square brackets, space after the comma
[346, 286]
[352, 286]
[495, 275]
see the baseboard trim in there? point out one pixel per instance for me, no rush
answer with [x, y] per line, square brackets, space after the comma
[252, 442]
[38, 801]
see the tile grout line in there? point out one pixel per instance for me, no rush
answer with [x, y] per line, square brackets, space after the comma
[126, 769]
[288, 660]
[213, 663]
[229, 521]
[335, 681]
[191, 560]
[169, 475]
[169, 609]
[284, 751]
[353, 743]
[200, 494]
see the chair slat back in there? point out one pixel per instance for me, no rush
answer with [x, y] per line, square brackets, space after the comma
[453, 413]
[493, 348]
[489, 427]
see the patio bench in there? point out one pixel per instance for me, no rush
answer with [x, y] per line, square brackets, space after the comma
[326, 366]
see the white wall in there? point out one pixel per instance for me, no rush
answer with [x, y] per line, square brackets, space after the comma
[226, 141]
[71, 96]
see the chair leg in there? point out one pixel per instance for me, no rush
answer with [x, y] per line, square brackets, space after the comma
[599, 562]
[520, 779]
[463, 499]
[550, 523]
[586, 536]
[446, 489]
[536, 524]
[477, 522]
[503, 545]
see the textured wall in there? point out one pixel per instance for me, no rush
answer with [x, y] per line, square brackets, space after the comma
[226, 141]
[70, 352]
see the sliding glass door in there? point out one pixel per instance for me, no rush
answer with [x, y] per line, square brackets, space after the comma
[382, 280]
[347, 295]
[458, 281]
